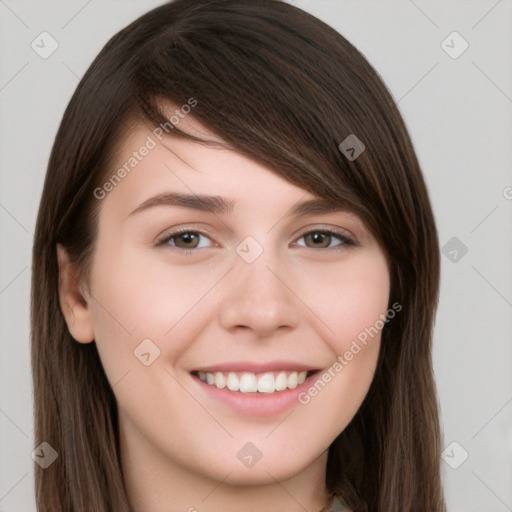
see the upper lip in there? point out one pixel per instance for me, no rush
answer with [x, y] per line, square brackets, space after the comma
[252, 367]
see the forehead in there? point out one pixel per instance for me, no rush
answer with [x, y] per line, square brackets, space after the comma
[145, 163]
[214, 180]
[212, 162]
[166, 170]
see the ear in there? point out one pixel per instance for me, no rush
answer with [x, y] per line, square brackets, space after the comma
[71, 298]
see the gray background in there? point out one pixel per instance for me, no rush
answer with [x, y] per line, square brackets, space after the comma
[458, 111]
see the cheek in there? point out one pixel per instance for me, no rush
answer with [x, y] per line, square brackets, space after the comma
[349, 298]
[352, 311]
[135, 300]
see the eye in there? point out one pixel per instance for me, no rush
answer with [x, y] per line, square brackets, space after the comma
[185, 240]
[323, 238]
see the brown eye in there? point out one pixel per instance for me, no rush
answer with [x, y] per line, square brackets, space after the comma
[322, 239]
[319, 239]
[184, 240]
[187, 240]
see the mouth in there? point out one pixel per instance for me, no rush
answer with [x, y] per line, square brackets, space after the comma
[269, 382]
[254, 389]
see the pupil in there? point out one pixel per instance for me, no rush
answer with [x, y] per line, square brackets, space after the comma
[188, 238]
[319, 238]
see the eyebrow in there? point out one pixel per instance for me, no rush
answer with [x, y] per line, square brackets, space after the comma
[222, 206]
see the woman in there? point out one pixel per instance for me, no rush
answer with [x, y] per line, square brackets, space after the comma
[236, 272]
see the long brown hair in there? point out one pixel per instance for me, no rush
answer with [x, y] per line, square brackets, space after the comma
[283, 88]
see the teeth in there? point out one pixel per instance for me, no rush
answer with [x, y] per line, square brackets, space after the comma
[233, 382]
[220, 380]
[248, 382]
[291, 382]
[281, 381]
[266, 383]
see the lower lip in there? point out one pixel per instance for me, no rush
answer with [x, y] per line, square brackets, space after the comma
[256, 404]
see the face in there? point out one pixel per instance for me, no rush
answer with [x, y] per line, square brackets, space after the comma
[250, 295]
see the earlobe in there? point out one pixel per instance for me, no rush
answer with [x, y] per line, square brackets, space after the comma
[73, 304]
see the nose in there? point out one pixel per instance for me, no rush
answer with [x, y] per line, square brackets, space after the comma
[259, 297]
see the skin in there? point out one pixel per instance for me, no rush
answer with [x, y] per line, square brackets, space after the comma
[297, 301]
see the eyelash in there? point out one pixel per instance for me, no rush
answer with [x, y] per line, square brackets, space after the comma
[346, 241]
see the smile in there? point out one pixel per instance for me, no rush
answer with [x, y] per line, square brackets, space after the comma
[248, 382]
[252, 388]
